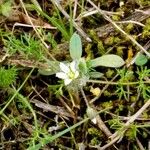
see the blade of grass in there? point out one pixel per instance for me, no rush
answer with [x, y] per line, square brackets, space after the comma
[49, 139]
[55, 23]
[25, 101]
[71, 20]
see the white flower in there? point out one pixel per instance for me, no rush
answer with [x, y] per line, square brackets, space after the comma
[68, 72]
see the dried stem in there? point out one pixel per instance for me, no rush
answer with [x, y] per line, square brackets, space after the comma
[116, 83]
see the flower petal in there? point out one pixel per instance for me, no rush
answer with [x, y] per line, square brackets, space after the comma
[61, 75]
[67, 81]
[73, 66]
[94, 120]
[64, 67]
[76, 74]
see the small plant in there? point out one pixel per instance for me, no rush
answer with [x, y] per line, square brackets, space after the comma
[7, 76]
[125, 76]
[143, 73]
[25, 45]
[80, 70]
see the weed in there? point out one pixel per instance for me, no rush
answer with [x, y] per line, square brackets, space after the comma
[26, 45]
[125, 76]
[7, 76]
[144, 89]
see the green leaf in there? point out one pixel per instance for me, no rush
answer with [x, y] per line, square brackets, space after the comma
[75, 46]
[96, 74]
[53, 68]
[46, 72]
[141, 60]
[110, 60]
[82, 66]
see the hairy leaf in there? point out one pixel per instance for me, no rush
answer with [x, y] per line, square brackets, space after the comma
[75, 46]
[110, 60]
[53, 68]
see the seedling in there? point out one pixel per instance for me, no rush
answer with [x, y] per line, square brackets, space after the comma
[79, 69]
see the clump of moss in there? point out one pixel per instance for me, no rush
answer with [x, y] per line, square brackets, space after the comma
[146, 29]
[101, 49]
[95, 134]
[111, 40]
[143, 2]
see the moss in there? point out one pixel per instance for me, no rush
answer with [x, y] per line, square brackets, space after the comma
[94, 132]
[129, 27]
[100, 47]
[120, 50]
[107, 104]
[111, 40]
[94, 36]
[143, 2]
[146, 29]
[116, 17]
[133, 98]
[109, 73]
[131, 133]
[89, 52]
[94, 141]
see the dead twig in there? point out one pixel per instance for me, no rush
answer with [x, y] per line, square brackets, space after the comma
[139, 144]
[55, 109]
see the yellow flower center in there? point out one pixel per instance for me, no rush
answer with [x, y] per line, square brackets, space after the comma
[71, 75]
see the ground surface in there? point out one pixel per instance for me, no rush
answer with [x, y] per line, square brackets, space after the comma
[38, 111]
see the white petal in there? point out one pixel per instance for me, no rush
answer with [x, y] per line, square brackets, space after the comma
[76, 74]
[73, 66]
[67, 81]
[94, 120]
[64, 67]
[61, 75]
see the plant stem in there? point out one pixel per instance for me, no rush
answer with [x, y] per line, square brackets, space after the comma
[116, 83]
